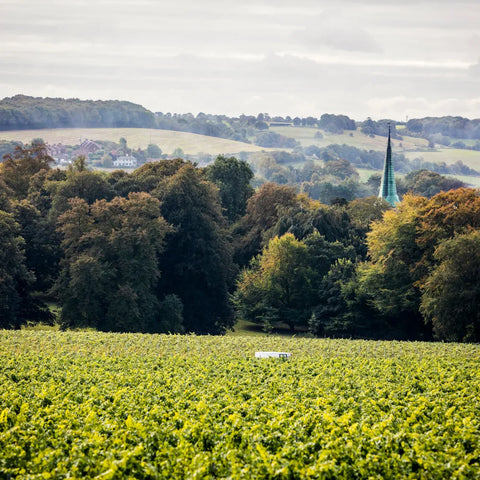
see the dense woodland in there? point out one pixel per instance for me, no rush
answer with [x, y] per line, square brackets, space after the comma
[173, 247]
[23, 113]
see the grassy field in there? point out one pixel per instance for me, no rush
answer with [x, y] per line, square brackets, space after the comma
[449, 156]
[411, 147]
[193, 144]
[244, 328]
[306, 136]
[365, 174]
[167, 140]
[471, 181]
[111, 406]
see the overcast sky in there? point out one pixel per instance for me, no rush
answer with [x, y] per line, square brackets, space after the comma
[383, 59]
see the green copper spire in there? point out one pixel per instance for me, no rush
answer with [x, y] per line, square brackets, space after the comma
[388, 188]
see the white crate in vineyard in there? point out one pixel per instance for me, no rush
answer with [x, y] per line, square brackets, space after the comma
[283, 355]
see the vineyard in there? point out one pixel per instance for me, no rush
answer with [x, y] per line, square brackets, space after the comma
[111, 406]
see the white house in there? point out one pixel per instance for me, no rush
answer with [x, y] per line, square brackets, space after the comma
[125, 161]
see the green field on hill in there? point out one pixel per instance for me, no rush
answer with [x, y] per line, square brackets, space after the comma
[167, 140]
[193, 144]
[365, 174]
[108, 406]
[411, 147]
[306, 136]
[469, 180]
[449, 156]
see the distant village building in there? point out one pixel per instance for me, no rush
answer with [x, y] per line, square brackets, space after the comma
[86, 147]
[127, 161]
[57, 151]
[89, 146]
[388, 187]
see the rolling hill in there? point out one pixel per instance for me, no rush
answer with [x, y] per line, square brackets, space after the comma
[411, 147]
[191, 143]
[167, 140]
[306, 136]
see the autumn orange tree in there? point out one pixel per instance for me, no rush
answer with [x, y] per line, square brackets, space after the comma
[19, 167]
[264, 208]
[402, 255]
[448, 214]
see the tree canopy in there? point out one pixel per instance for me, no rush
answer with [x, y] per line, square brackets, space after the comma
[451, 293]
[283, 284]
[110, 271]
[167, 247]
[22, 112]
[233, 178]
[17, 304]
[277, 288]
[197, 262]
[408, 250]
[18, 168]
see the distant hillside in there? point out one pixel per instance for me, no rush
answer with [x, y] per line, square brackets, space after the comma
[452, 127]
[22, 113]
[33, 113]
[167, 140]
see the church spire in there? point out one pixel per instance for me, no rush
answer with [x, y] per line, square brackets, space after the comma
[388, 188]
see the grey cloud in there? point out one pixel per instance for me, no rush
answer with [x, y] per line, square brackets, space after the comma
[426, 15]
[202, 83]
[338, 31]
[474, 70]
[225, 56]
